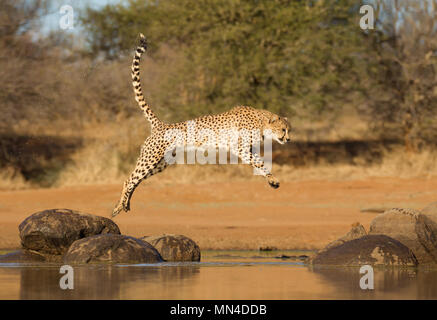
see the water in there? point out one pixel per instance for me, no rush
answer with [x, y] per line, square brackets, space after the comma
[220, 275]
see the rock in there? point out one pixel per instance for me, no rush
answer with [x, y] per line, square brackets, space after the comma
[356, 232]
[29, 256]
[376, 250]
[426, 230]
[430, 210]
[111, 248]
[175, 247]
[416, 230]
[53, 231]
[22, 256]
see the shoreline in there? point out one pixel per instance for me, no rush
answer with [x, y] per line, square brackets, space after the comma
[300, 215]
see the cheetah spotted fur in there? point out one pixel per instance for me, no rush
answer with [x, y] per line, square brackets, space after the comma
[242, 119]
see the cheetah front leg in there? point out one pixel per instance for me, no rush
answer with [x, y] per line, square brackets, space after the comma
[143, 170]
[254, 159]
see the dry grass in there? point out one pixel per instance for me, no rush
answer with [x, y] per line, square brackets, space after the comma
[10, 179]
[109, 154]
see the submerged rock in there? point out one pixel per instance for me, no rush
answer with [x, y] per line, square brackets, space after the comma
[29, 256]
[175, 247]
[22, 256]
[376, 250]
[111, 248]
[53, 231]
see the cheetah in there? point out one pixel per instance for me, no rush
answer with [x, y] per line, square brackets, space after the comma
[241, 120]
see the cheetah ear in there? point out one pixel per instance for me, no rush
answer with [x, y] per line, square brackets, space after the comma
[286, 119]
[274, 118]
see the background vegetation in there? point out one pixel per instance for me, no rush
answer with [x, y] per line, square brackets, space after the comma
[361, 99]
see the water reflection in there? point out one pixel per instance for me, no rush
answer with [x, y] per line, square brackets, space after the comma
[215, 278]
[427, 288]
[388, 283]
[98, 282]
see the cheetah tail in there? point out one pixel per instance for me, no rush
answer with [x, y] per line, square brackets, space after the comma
[139, 97]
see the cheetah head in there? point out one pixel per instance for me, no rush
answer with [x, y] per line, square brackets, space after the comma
[280, 128]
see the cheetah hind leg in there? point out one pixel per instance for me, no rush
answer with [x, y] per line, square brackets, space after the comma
[131, 184]
[121, 204]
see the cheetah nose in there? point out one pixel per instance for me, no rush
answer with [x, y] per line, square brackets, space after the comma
[288, 139]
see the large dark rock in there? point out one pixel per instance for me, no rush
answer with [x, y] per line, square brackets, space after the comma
[111, 248]
[376, 250]
[53, 231]
[175, 247]
[415, 229]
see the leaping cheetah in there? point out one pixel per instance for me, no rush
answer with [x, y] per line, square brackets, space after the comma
[240, 119]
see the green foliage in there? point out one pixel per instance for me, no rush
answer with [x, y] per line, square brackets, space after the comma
[285, 56]
[404, 101]
[306, 58]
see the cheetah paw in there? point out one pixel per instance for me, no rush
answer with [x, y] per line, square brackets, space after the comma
[119, 208]
[273, 182]
[116, 211]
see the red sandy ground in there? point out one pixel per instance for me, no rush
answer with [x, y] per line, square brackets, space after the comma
[240, 215]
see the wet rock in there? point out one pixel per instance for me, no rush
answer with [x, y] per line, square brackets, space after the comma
[376, 250]
[29, 256]
[111, 248]
[356, 232]
[175, 247]
[53, 231]
[22, 256]
[415, 229]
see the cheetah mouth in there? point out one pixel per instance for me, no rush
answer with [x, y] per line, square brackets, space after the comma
[281, 140]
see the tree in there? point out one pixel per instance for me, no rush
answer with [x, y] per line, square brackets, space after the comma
[406, 53]
[283, 55]
[18, 55]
